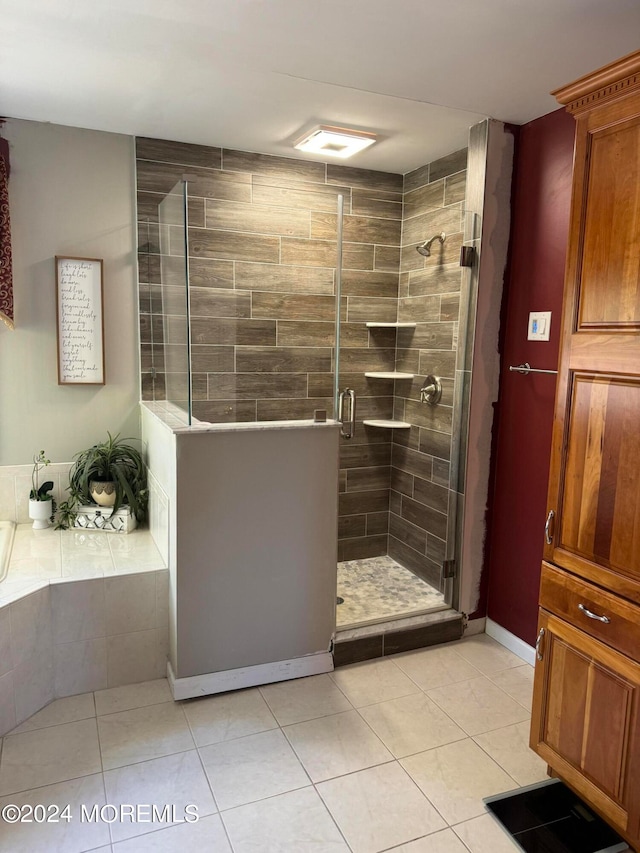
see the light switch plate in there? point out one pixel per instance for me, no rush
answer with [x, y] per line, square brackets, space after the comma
[539, 326]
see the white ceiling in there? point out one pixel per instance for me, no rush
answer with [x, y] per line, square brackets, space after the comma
[255, 74]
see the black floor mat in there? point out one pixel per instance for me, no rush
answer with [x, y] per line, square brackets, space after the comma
[549, 818]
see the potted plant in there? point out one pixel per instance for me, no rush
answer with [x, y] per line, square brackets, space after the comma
[41, 504]
[110, 473]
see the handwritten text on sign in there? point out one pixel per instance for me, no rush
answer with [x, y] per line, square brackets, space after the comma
[80, 320]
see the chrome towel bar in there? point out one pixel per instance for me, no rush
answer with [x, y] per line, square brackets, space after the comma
[525, 369]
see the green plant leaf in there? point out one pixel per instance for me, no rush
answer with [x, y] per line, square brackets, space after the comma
[44, 489]
[115, 460]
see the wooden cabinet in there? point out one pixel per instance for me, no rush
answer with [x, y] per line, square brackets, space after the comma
[586, 720]
[586, 697]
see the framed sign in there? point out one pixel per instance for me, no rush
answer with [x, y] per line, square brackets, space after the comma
[79, 305]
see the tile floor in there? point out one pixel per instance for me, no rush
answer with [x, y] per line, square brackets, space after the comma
[393, 754]
[378, 588]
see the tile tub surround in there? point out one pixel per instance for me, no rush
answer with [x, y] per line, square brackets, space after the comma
[79, 612]
[266, 770]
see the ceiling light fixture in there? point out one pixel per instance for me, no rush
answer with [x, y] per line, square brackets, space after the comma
[335, 141]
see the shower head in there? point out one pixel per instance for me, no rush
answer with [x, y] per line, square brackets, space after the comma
[425, 248]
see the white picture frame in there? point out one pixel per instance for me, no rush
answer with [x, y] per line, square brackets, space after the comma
[80, 319]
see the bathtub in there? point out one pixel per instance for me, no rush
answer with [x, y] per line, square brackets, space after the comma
[79, 611]
[7, 529]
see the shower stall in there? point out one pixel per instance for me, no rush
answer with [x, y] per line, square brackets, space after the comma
[278, 294]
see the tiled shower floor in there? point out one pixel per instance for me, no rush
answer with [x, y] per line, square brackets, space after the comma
[378, 588]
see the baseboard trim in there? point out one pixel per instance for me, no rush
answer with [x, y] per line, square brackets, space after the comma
[248, 676]
[511, 642]
[475, 626]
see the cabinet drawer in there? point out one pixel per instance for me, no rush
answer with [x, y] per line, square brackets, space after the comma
[569, 598]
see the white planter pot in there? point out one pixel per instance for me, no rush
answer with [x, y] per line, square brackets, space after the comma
[40, 512]
[103, 493]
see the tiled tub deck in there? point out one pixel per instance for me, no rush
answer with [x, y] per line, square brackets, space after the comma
[79, 611]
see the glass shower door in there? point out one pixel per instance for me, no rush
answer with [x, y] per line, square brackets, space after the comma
[171, 304]
[405, 361]
[344, 398]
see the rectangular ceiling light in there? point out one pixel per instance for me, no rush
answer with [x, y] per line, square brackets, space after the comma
[335, 141]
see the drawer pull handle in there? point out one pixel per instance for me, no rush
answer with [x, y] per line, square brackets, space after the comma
[539, 649]
[592, 615]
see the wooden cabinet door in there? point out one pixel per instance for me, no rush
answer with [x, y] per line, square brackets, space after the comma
[594, 488]
[586, 720]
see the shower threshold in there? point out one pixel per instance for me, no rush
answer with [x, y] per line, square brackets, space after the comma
[397, 635]
[387, 609]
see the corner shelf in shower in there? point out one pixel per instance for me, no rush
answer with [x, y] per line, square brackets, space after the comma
[388, 424]
[391, 325]
[388, 374]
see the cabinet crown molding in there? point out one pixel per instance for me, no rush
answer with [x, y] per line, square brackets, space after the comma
[613, 81]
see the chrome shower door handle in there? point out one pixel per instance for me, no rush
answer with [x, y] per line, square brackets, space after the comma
[348, 427]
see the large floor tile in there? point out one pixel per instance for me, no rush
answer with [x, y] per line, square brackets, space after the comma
[483, 835]
[132, 696]
[177, 780]
[509, 747]
[142, 734]
[63, 836]
[218, 718]
[251, 768]
[290, 823]
[304, 699]
[478, 706]
[456, 777]
[435, 667]
[517, 682]
[411, 724]
[379, 808]
[207, 834]
[486, 654]
[372, 681]
[49, 755]
[334, 745]
[445, 841]
[67, 710]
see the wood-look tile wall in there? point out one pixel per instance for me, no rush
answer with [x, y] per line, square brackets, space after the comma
[262, 237]
[429, 294]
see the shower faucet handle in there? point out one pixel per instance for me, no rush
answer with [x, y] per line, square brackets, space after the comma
[431, 391]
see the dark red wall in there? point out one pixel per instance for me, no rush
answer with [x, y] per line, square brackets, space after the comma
[539, 231]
